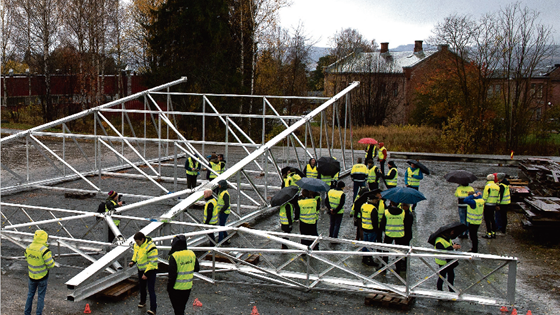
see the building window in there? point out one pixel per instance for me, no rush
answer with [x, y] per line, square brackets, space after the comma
[395, 89]
[538, 113]
[539, 93]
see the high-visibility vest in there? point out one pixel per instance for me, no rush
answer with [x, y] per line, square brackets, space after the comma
[380, 211]
[308, 210]
[117, 222]
[461, 193]
[359, 169]
[311, 172]
[217, 168]
[284, 213]
[185, 260]
[380, 154]
[334, 199]
[215, 211]
[393, 181]
[146, 255]
[474, 215]
[366, 210]
[506, 198]
[222, 165]
[372, 175]
[414, 182]
[352, 209]
[445, 244]
[327, 179]
[221, 202]
[395, 224]
[373, 152]
[491, 193]
[39, 257]
[293, 178]
[193, 164]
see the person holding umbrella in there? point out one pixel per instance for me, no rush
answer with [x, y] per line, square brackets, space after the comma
[371, 150]
[490, 196]
[373, 175]
[335, 206]
[382, 155]
[412, 177]
[397, 224]
[392, 176]
[443, 242]
[308, 216]
[475, 210]
[286, 198]
[463, 178]
[359, 175]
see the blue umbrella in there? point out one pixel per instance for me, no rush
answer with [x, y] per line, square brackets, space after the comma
[403, 195]
[313, 184]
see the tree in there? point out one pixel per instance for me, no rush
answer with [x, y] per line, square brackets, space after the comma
[317, 78]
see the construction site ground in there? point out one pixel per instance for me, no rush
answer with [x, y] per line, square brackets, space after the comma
[538, 279]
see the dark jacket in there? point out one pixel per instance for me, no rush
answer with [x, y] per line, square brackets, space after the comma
[392, 173]
[226, 196]
[209, 210]
[340, 205]
[179, 243]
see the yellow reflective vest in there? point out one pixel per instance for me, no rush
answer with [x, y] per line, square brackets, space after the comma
[284, 214]
[311, 172]
[146, 255]
[474, 216]
[115, 204]
[216, 167]
[372, 175]
[221, 203]
[192, 164]
[334, 199]
[395, 224]
[506, 197]
[308, 210]
[38, 256]
[446, 244]
[366, 210]
[185, 260]
[413, 182]
[380, 154]
[215, 211]
[461, 193]
[491, 193]
[392, 181]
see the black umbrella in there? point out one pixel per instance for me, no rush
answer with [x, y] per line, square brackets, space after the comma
[328, 166]
[286, 169]
[453, 230]
[313, 184]
[358, 203]
[284, 195]
[421, 166]
[460, 177]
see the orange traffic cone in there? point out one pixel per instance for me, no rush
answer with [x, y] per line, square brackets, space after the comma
[529, 312]
[87, 310]
[197, 302]
[255, 311]
[503, 309]
[514, 312]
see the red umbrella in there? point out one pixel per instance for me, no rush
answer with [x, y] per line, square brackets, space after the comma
[367, 141]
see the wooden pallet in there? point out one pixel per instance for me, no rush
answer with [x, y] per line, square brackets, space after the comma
[120, 290]
[389, 300]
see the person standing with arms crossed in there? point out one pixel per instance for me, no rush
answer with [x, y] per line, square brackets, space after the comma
[192, 168]
[182, 265]
[146, 258]
[39, 261]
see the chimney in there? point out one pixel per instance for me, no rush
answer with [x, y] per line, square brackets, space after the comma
[418, 46]
[384, 47]
[443, 47]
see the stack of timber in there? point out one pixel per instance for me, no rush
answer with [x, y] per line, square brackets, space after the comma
[541, 203]
[389, 300]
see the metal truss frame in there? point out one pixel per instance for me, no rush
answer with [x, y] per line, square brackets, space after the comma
[252, 201]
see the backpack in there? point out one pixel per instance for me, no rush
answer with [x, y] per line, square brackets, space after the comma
[101, 207]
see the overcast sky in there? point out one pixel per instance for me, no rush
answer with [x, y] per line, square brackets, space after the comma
[397, 22]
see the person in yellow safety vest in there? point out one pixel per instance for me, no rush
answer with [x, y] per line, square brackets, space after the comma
[397, 225]
[308, 214]
[111, 203]
[39, 261]
[443, 242]
[210, 211]
[290, 178]
[356, 214]
[311, 169]
[146, 259]
[382, 156]
[374, 174]
[371, 152]
[490, 196]
[335, 205]
[370, 222]
[412, 177]
[359, 174]
[391, 179]
[461, 193]
[289, 212]
[215, 166]
[182, 265]
[224, 208]
[475, 211]
[192, 168]
[503, 205]
[222, 163]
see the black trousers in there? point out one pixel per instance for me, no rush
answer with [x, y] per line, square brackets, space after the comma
[308, 229]
[449, 273]
[191, 181]
[401, 264]
[373, 186]
[179, 299]
[473, 230]
[382, 166]
[286, 229]
[489, 218]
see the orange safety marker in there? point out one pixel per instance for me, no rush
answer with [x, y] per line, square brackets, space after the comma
[197, 302]
[514, 312]
[511, 155]
[87, 310]
[503, 309]
[255, 311]
[529, 312]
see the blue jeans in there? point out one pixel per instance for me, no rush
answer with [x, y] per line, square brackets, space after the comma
[357, 186]
[33, 286]
[151, 283]
[222, 218]
[336, 219]
[463, 217]
[369, 237]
